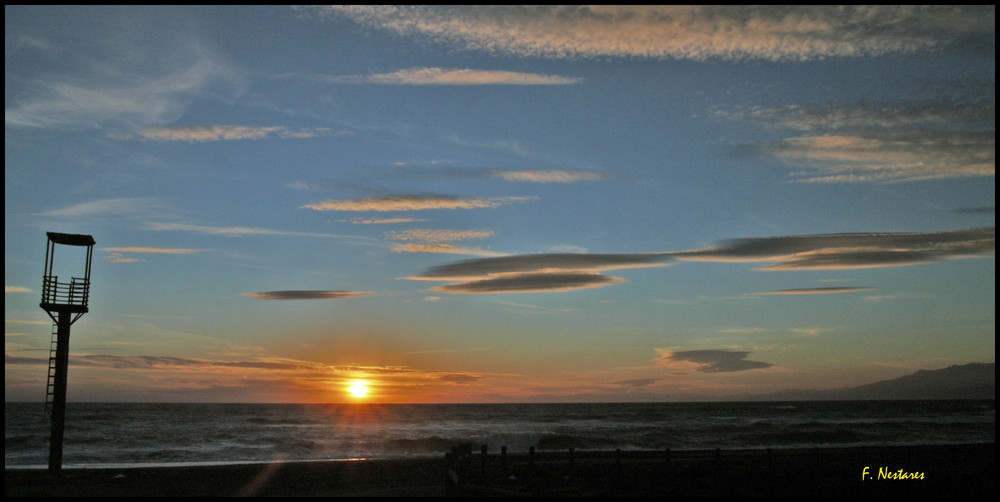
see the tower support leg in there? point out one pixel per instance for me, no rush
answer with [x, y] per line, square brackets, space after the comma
[59, 392]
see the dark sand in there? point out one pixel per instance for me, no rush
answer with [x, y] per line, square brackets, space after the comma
[951, 470]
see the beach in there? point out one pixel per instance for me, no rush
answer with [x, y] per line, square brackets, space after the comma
[936, 470]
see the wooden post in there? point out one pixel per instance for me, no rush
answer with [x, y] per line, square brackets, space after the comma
[618, 465]
[450, 477]
[482, 462]
[531, 467]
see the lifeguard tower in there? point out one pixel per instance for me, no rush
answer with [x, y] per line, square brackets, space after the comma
[65, 301]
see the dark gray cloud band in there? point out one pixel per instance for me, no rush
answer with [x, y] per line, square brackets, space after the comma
[714, 361]
[569, 271]
[527, 283]
[534, 273]
[306, 295]
[535, 263]
[855, 250]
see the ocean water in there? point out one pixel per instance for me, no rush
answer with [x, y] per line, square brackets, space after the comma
[126, 434]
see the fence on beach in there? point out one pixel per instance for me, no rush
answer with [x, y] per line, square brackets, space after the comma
[763, 471]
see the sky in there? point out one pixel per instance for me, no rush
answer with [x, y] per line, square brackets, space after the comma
[499, 204]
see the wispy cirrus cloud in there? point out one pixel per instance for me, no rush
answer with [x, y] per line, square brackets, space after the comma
[972, 112]
[150, 249]
[815, 291]
[414, 203]
[118, 253]
[709, 361]
[920, 156]
[937, 138]
[201, 134]
[15, 289]
[774, 33]
[306, 295]
[115, 83]
[452, 76]
[427, 240]
[129, 207]
[442, 248]
[548, 176]
[438, 235]
[120, 258]
[228, 231]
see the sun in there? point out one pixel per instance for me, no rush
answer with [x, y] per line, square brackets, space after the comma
[358, 388]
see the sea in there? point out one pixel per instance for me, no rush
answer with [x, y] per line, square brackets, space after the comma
[145, 434]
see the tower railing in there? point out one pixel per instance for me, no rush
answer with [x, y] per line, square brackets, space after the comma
[75, 293]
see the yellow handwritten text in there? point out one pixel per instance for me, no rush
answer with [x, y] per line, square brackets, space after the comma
[886, 473]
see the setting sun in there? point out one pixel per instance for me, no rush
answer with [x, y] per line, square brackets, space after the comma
[358, 389]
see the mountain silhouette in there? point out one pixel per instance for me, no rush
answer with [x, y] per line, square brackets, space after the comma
[968, 381]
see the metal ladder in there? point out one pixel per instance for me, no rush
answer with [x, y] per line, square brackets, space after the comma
[50, 385]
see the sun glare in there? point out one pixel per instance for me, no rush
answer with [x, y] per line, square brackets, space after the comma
[358, 389]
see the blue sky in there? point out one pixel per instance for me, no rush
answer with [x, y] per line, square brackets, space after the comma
[491, 204]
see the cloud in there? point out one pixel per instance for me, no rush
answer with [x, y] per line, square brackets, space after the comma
[135, 207]
[540, 263]
[438, 235]
[443, 248]
[15, 289]
[385, 221]
[120, 258]
[775, 33]
[306, 295]
[710, 361]
[938, 138]
[536, 272]
[225, 133]
[814, 291]
[548, 176]
[570, 271]
[228, 231]
[921, 156]
[531, 283]
[446, 76]
[638, 383]
[125, 80]
[117, 255]
[414, 203]
[970, 111]
[459, 378]
[425, 240]
[154, 250]
[984, 210]
[849, 251]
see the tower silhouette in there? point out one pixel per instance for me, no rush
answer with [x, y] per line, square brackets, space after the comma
[65, 301]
